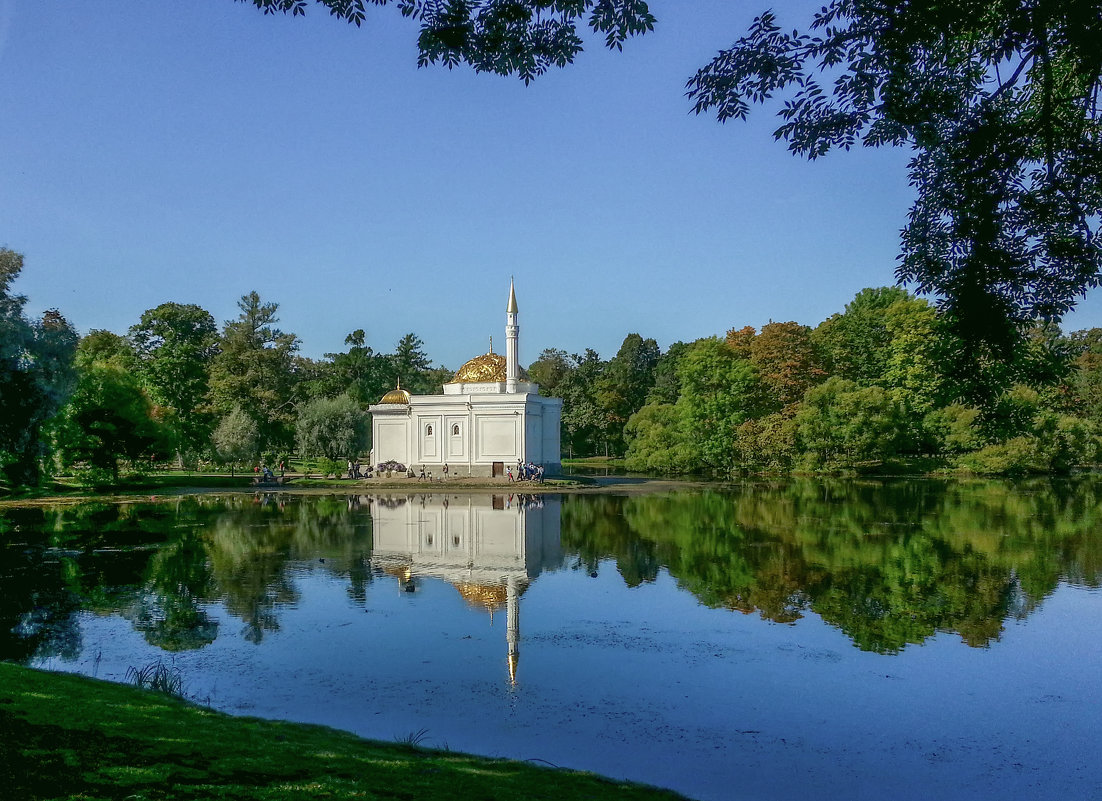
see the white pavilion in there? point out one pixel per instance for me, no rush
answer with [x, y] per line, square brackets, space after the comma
[490, 416]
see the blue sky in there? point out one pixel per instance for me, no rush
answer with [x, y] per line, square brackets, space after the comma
[195, 151]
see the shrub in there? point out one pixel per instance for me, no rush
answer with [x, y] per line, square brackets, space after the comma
[954, 429]
[655, 442]
[768, 443]
[842, 424]
[1015, 457]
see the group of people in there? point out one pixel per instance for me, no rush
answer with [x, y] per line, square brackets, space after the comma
[422, 475]
[264, 473]
[526, 471]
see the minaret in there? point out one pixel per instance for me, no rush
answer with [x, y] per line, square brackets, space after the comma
[512, 333]
[512, 627]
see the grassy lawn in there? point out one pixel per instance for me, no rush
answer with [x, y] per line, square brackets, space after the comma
[65, 736]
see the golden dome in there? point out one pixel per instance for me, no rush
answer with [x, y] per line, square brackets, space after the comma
[490, 596]
[396, 395]
[485, 368]
[482, 595]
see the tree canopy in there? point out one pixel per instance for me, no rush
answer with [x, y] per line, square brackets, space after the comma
[36, 375]
[997, 100]
[866, 390]
[175, 343]
[506, 37]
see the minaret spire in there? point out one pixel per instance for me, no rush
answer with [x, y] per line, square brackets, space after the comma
[512, 628]
[512, 336]
[512, 307]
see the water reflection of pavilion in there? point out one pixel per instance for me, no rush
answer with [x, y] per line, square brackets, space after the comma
[489, 547]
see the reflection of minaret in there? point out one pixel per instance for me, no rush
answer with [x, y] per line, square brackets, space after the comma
[512, 631]
[512, 332]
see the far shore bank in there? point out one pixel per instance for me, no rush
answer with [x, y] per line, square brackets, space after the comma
[299, 485]
[173, 486]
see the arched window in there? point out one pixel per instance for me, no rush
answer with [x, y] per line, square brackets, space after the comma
[455, 430]
[428, 431]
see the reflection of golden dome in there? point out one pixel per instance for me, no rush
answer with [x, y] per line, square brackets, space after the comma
[491, 596]
[396, 395]
[485, 368]
[399, 571]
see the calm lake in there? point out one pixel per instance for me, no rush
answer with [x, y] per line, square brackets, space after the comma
[790, 640]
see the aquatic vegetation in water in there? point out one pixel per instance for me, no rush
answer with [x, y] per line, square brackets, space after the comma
[159, 677]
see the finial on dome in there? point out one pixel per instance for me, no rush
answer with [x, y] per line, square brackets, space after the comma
[491, 350]
[512, 307]
[396, 395]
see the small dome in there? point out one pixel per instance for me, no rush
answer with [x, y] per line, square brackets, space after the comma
[397, 395]
[485, 368]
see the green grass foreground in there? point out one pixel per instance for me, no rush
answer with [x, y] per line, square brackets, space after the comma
[66, 736]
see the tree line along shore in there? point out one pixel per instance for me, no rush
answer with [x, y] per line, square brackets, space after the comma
[882, 385]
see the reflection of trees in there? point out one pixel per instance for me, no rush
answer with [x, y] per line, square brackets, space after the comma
[250, 544]
[247, 556]
[159, 564]
[37, 606]
[600, 529]
[178, 580]
[68, 558]
[889, 564]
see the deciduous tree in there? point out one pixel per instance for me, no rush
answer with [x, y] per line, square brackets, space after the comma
[507, 37]
[667, 386]
[719, 391]
[786, 362]
[550, 370]
[236, 438]
[334, 428]
[999, 102]
[842, 424]
[108, 421]
[583, 421]
[175, 344]
[36, 376]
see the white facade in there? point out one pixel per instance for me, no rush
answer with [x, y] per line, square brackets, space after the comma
[488, 418]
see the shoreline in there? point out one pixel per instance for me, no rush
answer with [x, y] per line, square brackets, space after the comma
[75, 736]
[464, 486]
[582, 485]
